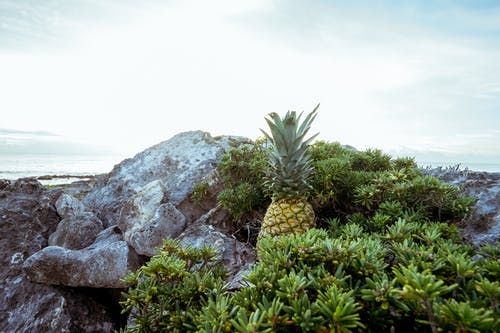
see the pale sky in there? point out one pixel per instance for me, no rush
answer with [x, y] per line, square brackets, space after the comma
[417, 78]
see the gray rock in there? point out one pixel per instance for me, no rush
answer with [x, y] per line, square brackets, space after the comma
[100, 265]
[76, 232]
[483, 226]
[148, 234]
[30, 217]
[141, 206]
[47, 309]
[171, 220]
[67, 205]
[179, 163]
[145, 221]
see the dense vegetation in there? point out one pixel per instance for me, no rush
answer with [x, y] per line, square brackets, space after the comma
[386, 256]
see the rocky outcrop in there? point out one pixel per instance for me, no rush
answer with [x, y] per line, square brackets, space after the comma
[59, 258]
[101, 265]
[27, 218]
[179, 163]
[483, 226]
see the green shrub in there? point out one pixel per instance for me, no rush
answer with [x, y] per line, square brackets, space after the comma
[167, 293]
[200, 192]
[371, 160]
[240, 199]
[243, 169]
[345, 182]
[356, 281]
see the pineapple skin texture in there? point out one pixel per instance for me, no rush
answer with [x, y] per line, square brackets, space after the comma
[287, 216]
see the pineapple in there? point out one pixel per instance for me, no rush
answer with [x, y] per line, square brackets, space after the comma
[289, 175]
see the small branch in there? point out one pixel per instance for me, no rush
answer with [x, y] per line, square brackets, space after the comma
[430, 314]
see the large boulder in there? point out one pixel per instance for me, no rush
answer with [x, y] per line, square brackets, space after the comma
[145, 221]
[79, 227]
[76, 231]
[179, 163]
[67, 205]
[27, 218]
[483, 226]
[101, 265]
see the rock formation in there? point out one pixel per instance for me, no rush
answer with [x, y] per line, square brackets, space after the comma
[179, 163]
[60, 253]
[27, 218]
[483, 226]
[100, 265]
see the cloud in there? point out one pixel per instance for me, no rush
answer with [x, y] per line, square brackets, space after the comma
[31, 25]
[388, 76]
[13, 132]
[14, 141]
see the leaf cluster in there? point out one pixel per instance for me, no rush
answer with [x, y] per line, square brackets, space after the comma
[346, 183]
[345, 279]
[243, 170]
[166, 292]
[289, 172]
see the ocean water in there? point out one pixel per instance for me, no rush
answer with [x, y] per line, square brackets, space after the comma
[15, 166]
[473, 166]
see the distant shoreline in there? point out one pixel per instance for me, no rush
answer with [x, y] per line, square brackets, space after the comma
[50, 180]
[50, 169]
[470, 166]
[49, 177]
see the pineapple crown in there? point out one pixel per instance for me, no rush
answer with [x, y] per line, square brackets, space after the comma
[290, 168]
